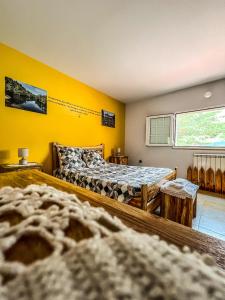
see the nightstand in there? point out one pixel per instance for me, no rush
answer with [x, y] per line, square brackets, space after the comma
[119, 159]
[17, 167]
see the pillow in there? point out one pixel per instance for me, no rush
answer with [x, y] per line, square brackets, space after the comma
[70, 157]
[93, 159]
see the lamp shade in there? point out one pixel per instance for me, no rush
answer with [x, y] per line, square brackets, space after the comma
[23, 152]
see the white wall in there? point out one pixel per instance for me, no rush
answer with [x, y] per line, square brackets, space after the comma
[183, 100]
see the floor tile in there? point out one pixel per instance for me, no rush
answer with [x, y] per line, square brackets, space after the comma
[208, 194]
[213, 212]
[199, 209]
[195, 226]
[211, 232]
[210, 215]
[201, 198]
[213, 223]
[195, 222]
[209, 204]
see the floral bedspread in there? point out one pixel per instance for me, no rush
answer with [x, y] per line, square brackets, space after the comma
[119, 182]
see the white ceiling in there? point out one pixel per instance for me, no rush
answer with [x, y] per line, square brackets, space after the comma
[129, 49]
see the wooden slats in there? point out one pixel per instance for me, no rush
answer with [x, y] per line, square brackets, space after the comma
[189, 174]
[178, 210]
[154, 203]
[218, 181]
[207, 179]
[195, 175]
[144, 196]
[223, 183]
[208, 171]
[202, 178]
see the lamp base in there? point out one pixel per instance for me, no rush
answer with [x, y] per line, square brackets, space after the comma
[23, 161]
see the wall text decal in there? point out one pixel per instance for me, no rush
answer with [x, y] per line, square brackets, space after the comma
[80, 110]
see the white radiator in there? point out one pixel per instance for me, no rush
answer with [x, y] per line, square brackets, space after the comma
[208, 160]
[208, 171]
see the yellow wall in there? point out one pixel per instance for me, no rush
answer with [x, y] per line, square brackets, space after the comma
[19, 128]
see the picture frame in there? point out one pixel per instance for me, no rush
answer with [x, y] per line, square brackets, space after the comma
[23, 96]
[108, 118]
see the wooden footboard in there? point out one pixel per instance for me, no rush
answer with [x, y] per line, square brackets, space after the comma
[150, 196]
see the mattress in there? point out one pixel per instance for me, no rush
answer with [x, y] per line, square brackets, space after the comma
[120, 182]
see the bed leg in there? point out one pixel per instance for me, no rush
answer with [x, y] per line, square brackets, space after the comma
[144, 196]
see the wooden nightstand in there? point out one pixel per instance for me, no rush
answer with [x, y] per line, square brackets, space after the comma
[16, 167]
[119, 159]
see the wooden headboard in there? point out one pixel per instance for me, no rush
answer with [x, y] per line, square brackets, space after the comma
[55, 159]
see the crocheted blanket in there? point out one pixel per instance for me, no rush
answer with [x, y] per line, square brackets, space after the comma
[53, 246]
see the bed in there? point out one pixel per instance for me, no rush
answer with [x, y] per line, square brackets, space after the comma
[133, 185]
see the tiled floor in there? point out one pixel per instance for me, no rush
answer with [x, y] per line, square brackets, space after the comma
[210, 216]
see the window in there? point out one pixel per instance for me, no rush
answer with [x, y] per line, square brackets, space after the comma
[159, 130]
[203, 128]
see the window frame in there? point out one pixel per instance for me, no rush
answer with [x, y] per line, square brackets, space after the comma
[147, 130]
[194, 147]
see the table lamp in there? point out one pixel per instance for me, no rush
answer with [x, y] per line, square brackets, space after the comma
[118, 151]
[23, 152]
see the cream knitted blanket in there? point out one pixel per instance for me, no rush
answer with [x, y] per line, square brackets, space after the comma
[52, 246]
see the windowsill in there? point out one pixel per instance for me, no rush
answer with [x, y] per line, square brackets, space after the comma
[198, 148]
[186, 147]
[159, 145]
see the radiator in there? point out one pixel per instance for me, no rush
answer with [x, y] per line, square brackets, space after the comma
[208, 171]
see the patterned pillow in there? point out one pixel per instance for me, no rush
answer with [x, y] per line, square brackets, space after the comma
[70, 157]
[93, 159]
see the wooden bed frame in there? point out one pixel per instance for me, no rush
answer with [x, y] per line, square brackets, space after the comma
[135, 218]
[149, 199]
[55, 161]
[150, 194]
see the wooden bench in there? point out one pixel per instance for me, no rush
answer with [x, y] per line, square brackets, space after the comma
[179, 210]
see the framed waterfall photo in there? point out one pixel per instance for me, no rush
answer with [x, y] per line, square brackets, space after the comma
[24, 96]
